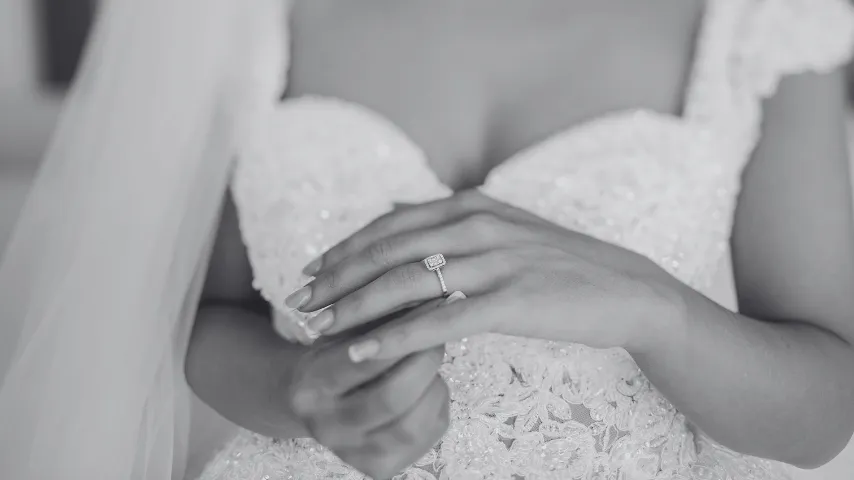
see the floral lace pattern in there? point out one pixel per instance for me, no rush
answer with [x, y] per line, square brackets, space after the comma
[318, 169]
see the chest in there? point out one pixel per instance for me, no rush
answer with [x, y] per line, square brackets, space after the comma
[474, 82]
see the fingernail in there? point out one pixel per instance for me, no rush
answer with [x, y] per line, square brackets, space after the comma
[363, 350]
[313, 266]
[299, 298]
[322, 321]
[458, 295]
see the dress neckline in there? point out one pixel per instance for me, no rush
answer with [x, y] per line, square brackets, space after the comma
[686, 117]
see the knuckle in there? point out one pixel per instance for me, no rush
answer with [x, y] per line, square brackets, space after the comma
[300, 402]
[406, 275]
[380, 253]
[332, 255]
[484, 224]
[330, 279]
[388, 401]
[397, 335]
[351, 305]
[352, 415]
[295, 406]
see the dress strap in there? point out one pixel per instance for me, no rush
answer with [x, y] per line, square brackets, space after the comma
[709, 90]
[786, 37]
[746, 47]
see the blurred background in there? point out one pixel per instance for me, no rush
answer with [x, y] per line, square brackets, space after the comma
[41, 42]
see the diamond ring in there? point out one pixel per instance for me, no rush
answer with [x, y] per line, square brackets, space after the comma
[434, 263]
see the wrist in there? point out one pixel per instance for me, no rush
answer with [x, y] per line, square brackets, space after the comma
[660, 317]
[242, 369]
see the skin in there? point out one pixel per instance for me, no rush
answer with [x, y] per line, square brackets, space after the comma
[781, 365]
[371, 415]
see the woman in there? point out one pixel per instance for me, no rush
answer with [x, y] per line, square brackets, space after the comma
[581, 258]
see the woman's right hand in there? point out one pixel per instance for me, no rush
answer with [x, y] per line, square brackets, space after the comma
[238, 365]
[377, 416]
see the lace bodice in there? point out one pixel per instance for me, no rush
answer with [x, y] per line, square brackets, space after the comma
[314, 170]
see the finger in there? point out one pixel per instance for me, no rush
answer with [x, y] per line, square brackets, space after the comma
[344, 422]
[286, 325]
[401, 220]
[471, 235]
[410, 283]
[341, 343]
[283, 327]
[429, 410]
[326, 370]
[417, 308]
[322, 377]
[392, 448]
[453, 321]
[392, 394]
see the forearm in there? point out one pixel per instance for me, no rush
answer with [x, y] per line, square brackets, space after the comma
[239, 366]
[771, 389]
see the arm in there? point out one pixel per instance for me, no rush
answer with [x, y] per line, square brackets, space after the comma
[378, 417]
[236, 363]
[777, 380]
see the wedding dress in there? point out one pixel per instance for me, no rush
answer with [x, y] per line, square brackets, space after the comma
[104, 267]
[664, 186]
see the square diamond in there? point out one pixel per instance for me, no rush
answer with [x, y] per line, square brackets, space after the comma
[435, 262]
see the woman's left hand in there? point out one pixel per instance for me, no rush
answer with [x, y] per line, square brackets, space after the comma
[523, 276]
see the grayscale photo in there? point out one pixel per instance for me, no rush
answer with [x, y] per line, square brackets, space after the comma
[426, 240]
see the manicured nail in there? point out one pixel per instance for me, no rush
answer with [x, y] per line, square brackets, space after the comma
[322, 321]
[313, 266]
[363, 350]
[299, 298]
[458, 295]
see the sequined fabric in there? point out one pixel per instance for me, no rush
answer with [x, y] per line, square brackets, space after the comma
[318, 169]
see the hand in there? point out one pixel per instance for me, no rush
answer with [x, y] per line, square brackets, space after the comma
[291, 324]
[378, 416]
[524, 276]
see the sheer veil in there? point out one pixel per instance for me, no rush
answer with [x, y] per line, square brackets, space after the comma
[100, 279]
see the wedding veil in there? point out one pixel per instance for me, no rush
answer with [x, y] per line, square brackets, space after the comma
[107, 260]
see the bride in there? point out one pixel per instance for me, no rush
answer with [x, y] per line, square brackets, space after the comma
[506, 215]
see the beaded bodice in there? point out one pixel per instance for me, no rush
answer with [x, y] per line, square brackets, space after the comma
[317, 169]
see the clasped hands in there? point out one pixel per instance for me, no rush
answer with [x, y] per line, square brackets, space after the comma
[374, 396]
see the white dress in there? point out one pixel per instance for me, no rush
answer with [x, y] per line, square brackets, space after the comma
[317, 169]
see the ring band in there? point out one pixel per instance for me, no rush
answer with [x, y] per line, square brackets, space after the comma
[434, 263]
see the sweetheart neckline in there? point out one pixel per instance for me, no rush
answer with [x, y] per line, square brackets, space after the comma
[619, 117]
[623, 118]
